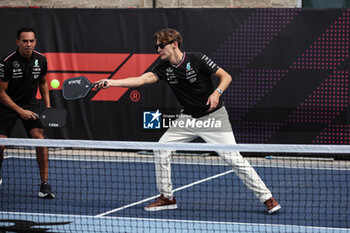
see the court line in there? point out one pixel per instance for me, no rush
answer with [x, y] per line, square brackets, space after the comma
[312, 228]
[153, 197]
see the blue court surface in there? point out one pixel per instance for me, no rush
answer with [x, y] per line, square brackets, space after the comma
[101, 194]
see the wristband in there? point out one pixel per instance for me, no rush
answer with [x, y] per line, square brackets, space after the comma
[219, 90]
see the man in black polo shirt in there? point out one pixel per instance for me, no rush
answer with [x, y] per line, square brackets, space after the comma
[190, 77]
[21, 73]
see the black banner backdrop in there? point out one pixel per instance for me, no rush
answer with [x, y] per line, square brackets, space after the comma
[290, 68]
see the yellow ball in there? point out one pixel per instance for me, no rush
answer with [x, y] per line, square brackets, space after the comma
[55, 83]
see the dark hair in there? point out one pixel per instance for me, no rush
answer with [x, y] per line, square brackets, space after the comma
[25, 29]
[168, 35]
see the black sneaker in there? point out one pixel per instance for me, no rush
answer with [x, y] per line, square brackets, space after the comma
[45, 191]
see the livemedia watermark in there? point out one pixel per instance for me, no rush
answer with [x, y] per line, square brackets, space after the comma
[159, 120]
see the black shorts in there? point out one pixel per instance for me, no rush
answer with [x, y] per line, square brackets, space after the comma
[8, 119]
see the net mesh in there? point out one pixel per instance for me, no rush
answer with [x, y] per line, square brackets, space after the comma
[103, 186]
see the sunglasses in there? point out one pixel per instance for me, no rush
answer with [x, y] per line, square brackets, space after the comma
[161, 45]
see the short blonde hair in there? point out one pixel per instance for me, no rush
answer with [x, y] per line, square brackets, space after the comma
[168, 35]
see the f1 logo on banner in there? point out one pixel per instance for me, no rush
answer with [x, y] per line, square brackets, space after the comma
[95, 66]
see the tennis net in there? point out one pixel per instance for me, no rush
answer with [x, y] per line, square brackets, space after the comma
[104, 186]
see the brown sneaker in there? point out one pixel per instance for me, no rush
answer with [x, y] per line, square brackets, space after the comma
[162, 203]
[272, 205]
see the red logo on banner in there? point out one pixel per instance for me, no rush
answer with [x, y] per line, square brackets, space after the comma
[97, 66]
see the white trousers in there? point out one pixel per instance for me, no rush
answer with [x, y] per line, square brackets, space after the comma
[240, 165]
